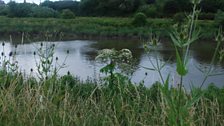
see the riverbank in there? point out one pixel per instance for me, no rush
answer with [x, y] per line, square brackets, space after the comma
[94, 27]
[69, 101]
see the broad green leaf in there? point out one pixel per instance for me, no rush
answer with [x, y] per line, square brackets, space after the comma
[181, 67]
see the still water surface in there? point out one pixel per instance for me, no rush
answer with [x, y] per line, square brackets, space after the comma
[81, 63]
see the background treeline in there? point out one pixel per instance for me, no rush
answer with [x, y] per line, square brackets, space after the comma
[110, 8]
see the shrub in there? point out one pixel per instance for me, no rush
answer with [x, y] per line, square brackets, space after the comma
[140, 19]
[149, 10]
[67, 14]
[219, 18]
[179, 18]
[19, 10]
[43, 12]
[206, 16]
[4, 10]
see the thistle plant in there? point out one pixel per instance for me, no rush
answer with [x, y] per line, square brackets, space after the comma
[8, 61]
[150, 47]
[217, 57]
[46, 62]
[182, 37]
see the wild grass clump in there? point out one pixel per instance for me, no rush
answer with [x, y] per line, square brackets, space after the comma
[219, 19]
[70, 101]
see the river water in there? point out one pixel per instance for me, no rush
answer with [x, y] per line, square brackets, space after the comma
[81, 60]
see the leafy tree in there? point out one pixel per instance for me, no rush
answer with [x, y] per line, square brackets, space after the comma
[20, 9]
[109, 7]
[61, 5]
[149, 10]
[219, 18]
[175, 6]
[43, 12]
[88, 7]
[4, 10]
[212, 5]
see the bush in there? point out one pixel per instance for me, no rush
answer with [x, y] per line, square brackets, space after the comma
[19, 9]
[67, 14]
[4, 10]
[171, 7]
[206, 16]
[179, 18]
[140, 19]
[43, 12]
[149, 10]
[219, 18]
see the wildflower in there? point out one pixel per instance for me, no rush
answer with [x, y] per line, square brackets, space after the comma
[146, 73]
[10, 54]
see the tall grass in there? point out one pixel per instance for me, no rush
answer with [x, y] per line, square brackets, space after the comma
[25, 101]
[66, 100]
[93, 26]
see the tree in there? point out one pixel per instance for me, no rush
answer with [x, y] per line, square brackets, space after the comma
[43, 12]
[4, 10]
[212, 5]
[175, 6]
[61, 5]
[20, 9]
[109, 7]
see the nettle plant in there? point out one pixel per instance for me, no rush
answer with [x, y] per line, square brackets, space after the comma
[117, 62]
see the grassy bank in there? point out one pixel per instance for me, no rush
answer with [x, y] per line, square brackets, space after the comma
[69, 101]
[94, 26]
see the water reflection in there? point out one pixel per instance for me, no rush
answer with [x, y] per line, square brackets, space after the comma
[81, 60]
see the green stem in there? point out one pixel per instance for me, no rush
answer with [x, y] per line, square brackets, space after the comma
[159, 69]
[190, 33]
[212, 62]
[179, 99]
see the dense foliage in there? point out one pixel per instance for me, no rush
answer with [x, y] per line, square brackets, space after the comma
[151, 8]
[140, 19]
[67, 14]
[95, 27]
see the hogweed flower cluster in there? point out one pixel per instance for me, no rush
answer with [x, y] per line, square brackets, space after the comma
[117, 59]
